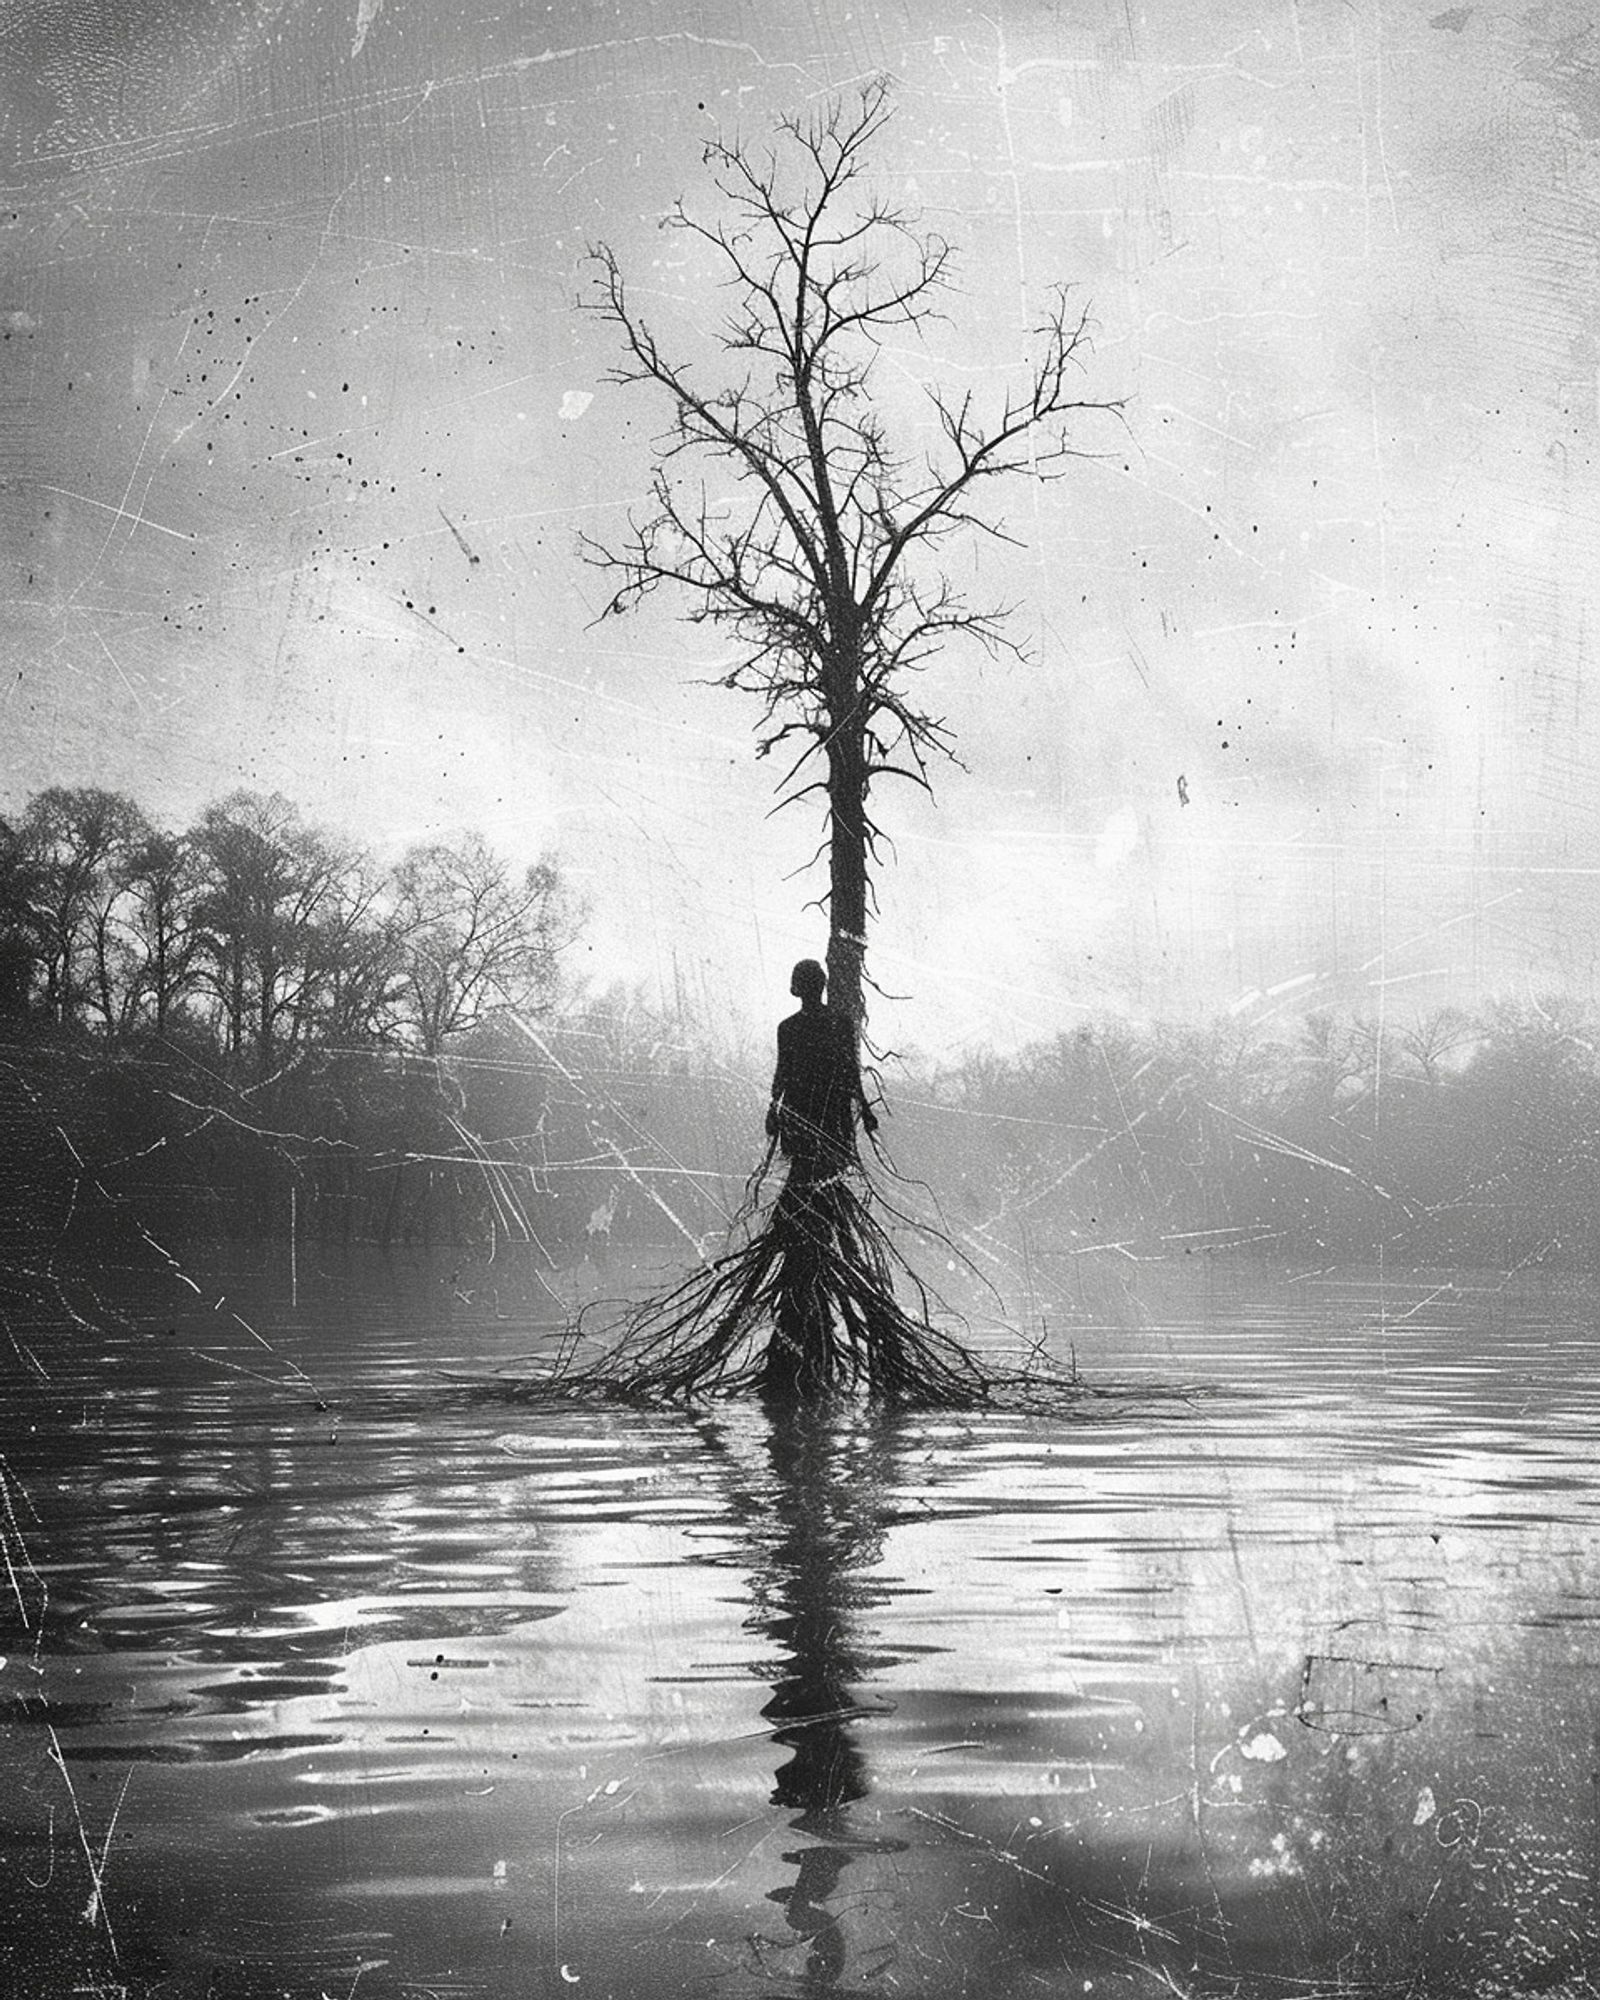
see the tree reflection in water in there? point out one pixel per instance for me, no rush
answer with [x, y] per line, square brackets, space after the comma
[814, 1494]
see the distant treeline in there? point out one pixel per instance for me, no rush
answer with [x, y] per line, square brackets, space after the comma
[249, 1027]
[1449, 1137]
[250, 1019]
[256, 937]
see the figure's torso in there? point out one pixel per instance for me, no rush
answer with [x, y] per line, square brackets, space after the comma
[816, 1073]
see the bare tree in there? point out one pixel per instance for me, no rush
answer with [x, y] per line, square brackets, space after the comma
[112, 897]
[79, 837]
[159, 875]
[471, 937]
[269, 883]
[22, 916]
[1432, 1040]
[352, 957]
[819, 552]
[824, 564]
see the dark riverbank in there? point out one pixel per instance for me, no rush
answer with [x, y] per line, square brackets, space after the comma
[609, 1131]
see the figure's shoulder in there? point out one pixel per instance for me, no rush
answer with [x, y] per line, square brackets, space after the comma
[813, 1031]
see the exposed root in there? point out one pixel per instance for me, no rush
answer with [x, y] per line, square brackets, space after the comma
[805, 1306]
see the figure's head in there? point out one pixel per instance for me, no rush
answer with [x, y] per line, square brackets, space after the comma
[807, 980]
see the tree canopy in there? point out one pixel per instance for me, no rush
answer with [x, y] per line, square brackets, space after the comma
[262, 933]
[823, 561]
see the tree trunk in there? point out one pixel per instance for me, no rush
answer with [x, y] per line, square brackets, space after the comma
[236, 999]
[847, 858]
[797, 1365]
[161, 978]
[264, 1022]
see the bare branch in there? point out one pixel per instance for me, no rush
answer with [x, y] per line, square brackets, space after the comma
[816, 559]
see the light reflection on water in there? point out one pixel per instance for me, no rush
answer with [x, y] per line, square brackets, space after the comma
[344, 1676]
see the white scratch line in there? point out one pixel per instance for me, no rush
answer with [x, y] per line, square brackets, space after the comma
[122, 513]
[1257, 625]
[127, 492]
[121, 672]
[1202, 423]
[1377, 114]
[1199, 512]
[96, 1910]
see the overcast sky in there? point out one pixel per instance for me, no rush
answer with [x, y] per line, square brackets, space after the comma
[301, 425]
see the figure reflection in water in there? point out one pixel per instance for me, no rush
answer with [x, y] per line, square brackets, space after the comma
[825, 1499]
[816, 1088]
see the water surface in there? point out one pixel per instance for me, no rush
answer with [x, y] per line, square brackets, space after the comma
[327, 1673]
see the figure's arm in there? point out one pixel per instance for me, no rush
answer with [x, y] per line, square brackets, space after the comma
[775, 1101]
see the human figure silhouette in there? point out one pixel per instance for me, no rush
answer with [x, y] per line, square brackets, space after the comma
[816, 1087]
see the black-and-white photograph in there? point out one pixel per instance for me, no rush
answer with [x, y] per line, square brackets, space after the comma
[799, 999]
